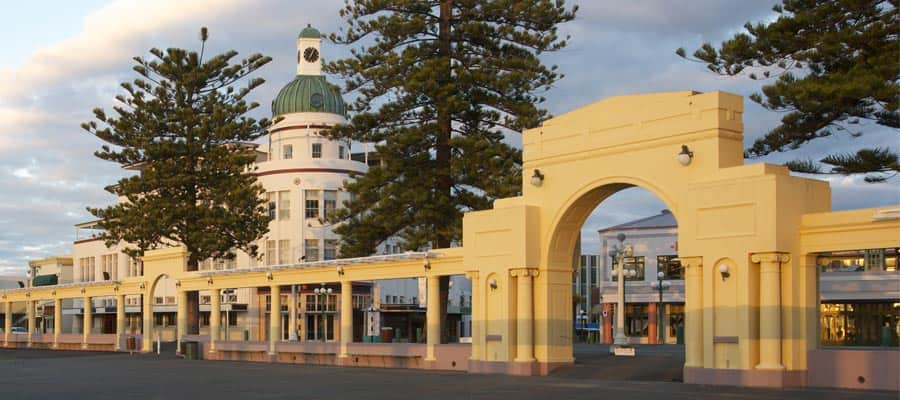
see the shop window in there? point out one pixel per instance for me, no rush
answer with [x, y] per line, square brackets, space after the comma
[860, 323]
[670, 266]
[636, 320]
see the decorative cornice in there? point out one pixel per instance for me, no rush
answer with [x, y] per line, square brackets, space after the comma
[523, 272]
[770, 257]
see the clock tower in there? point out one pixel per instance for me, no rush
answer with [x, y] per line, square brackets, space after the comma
[309, 46]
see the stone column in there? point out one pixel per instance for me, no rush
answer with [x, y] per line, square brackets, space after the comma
[274, 318]
[524, 314]
[181, 315]
[215, 317]
[475, 306]
[346, 332]
[7, 323]
[57, 321]
[433, 317]
[292, 314]
[693, 311]
[88, 320]
[147, 314]
[770, 308]
[652, 323]
[120, 320]
[607, 323]
[29, 312]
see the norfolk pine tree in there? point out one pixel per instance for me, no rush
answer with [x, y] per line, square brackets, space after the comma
[834, 63]
[438, 85]
[183, 123]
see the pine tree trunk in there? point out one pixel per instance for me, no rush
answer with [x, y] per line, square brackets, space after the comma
[193, 305]
[443, 181]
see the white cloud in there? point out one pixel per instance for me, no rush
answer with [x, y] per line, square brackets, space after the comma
[48, 174]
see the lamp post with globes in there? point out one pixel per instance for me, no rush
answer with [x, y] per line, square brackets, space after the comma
[660, 285]
[322, 294]
[617, 254]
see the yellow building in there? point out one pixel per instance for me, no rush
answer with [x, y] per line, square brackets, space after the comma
[749, 236]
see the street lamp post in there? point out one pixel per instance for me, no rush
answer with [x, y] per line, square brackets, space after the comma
[617, 253]
[660, 285]
[323, 301]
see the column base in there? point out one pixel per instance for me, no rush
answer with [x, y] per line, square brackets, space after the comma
[745, 377]
[770, 366]
[528, 368]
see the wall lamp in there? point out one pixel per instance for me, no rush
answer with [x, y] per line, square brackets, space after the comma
[723, 269]
[538, 178]
[492, 283]
[269, 276]
[685, 156]
[426, 264]
[340, 270]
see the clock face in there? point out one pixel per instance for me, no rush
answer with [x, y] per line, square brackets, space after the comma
[316, 100]
[310, 54]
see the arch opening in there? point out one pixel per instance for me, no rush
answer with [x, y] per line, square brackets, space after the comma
[590, 236]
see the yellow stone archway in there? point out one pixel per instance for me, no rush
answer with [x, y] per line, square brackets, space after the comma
[747, 214]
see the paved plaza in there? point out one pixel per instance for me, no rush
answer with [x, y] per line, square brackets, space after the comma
[43, 374]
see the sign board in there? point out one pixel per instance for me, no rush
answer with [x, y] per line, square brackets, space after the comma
[624, 351]
[373, 323]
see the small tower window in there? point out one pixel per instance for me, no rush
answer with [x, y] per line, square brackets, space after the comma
[317, 150]
[288, 152]
[342, 152]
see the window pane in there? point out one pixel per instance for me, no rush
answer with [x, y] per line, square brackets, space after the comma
[317, 150]
[284, 205]
[270, 199]
[312, 204]
[284, 251]
[288, 152]
[270, 252]
[330, 249]
[330, 200]
[311, 249]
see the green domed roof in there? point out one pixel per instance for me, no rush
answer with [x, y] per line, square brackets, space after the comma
[310, 33]
[308, 93]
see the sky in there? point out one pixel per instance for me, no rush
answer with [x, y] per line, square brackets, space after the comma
[56, 67]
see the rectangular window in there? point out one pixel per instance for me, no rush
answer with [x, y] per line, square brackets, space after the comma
[330, 249]
[270, 252]
[287, 152]
[317, 150]
[859, 323]
[135, 267]
[311, 250]
[342, 152]
[284, 205]
[270, 201]
[312, 203]
[670, 266]
[284, 251]
[635, 264]
[858, 260]
[330, 203]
